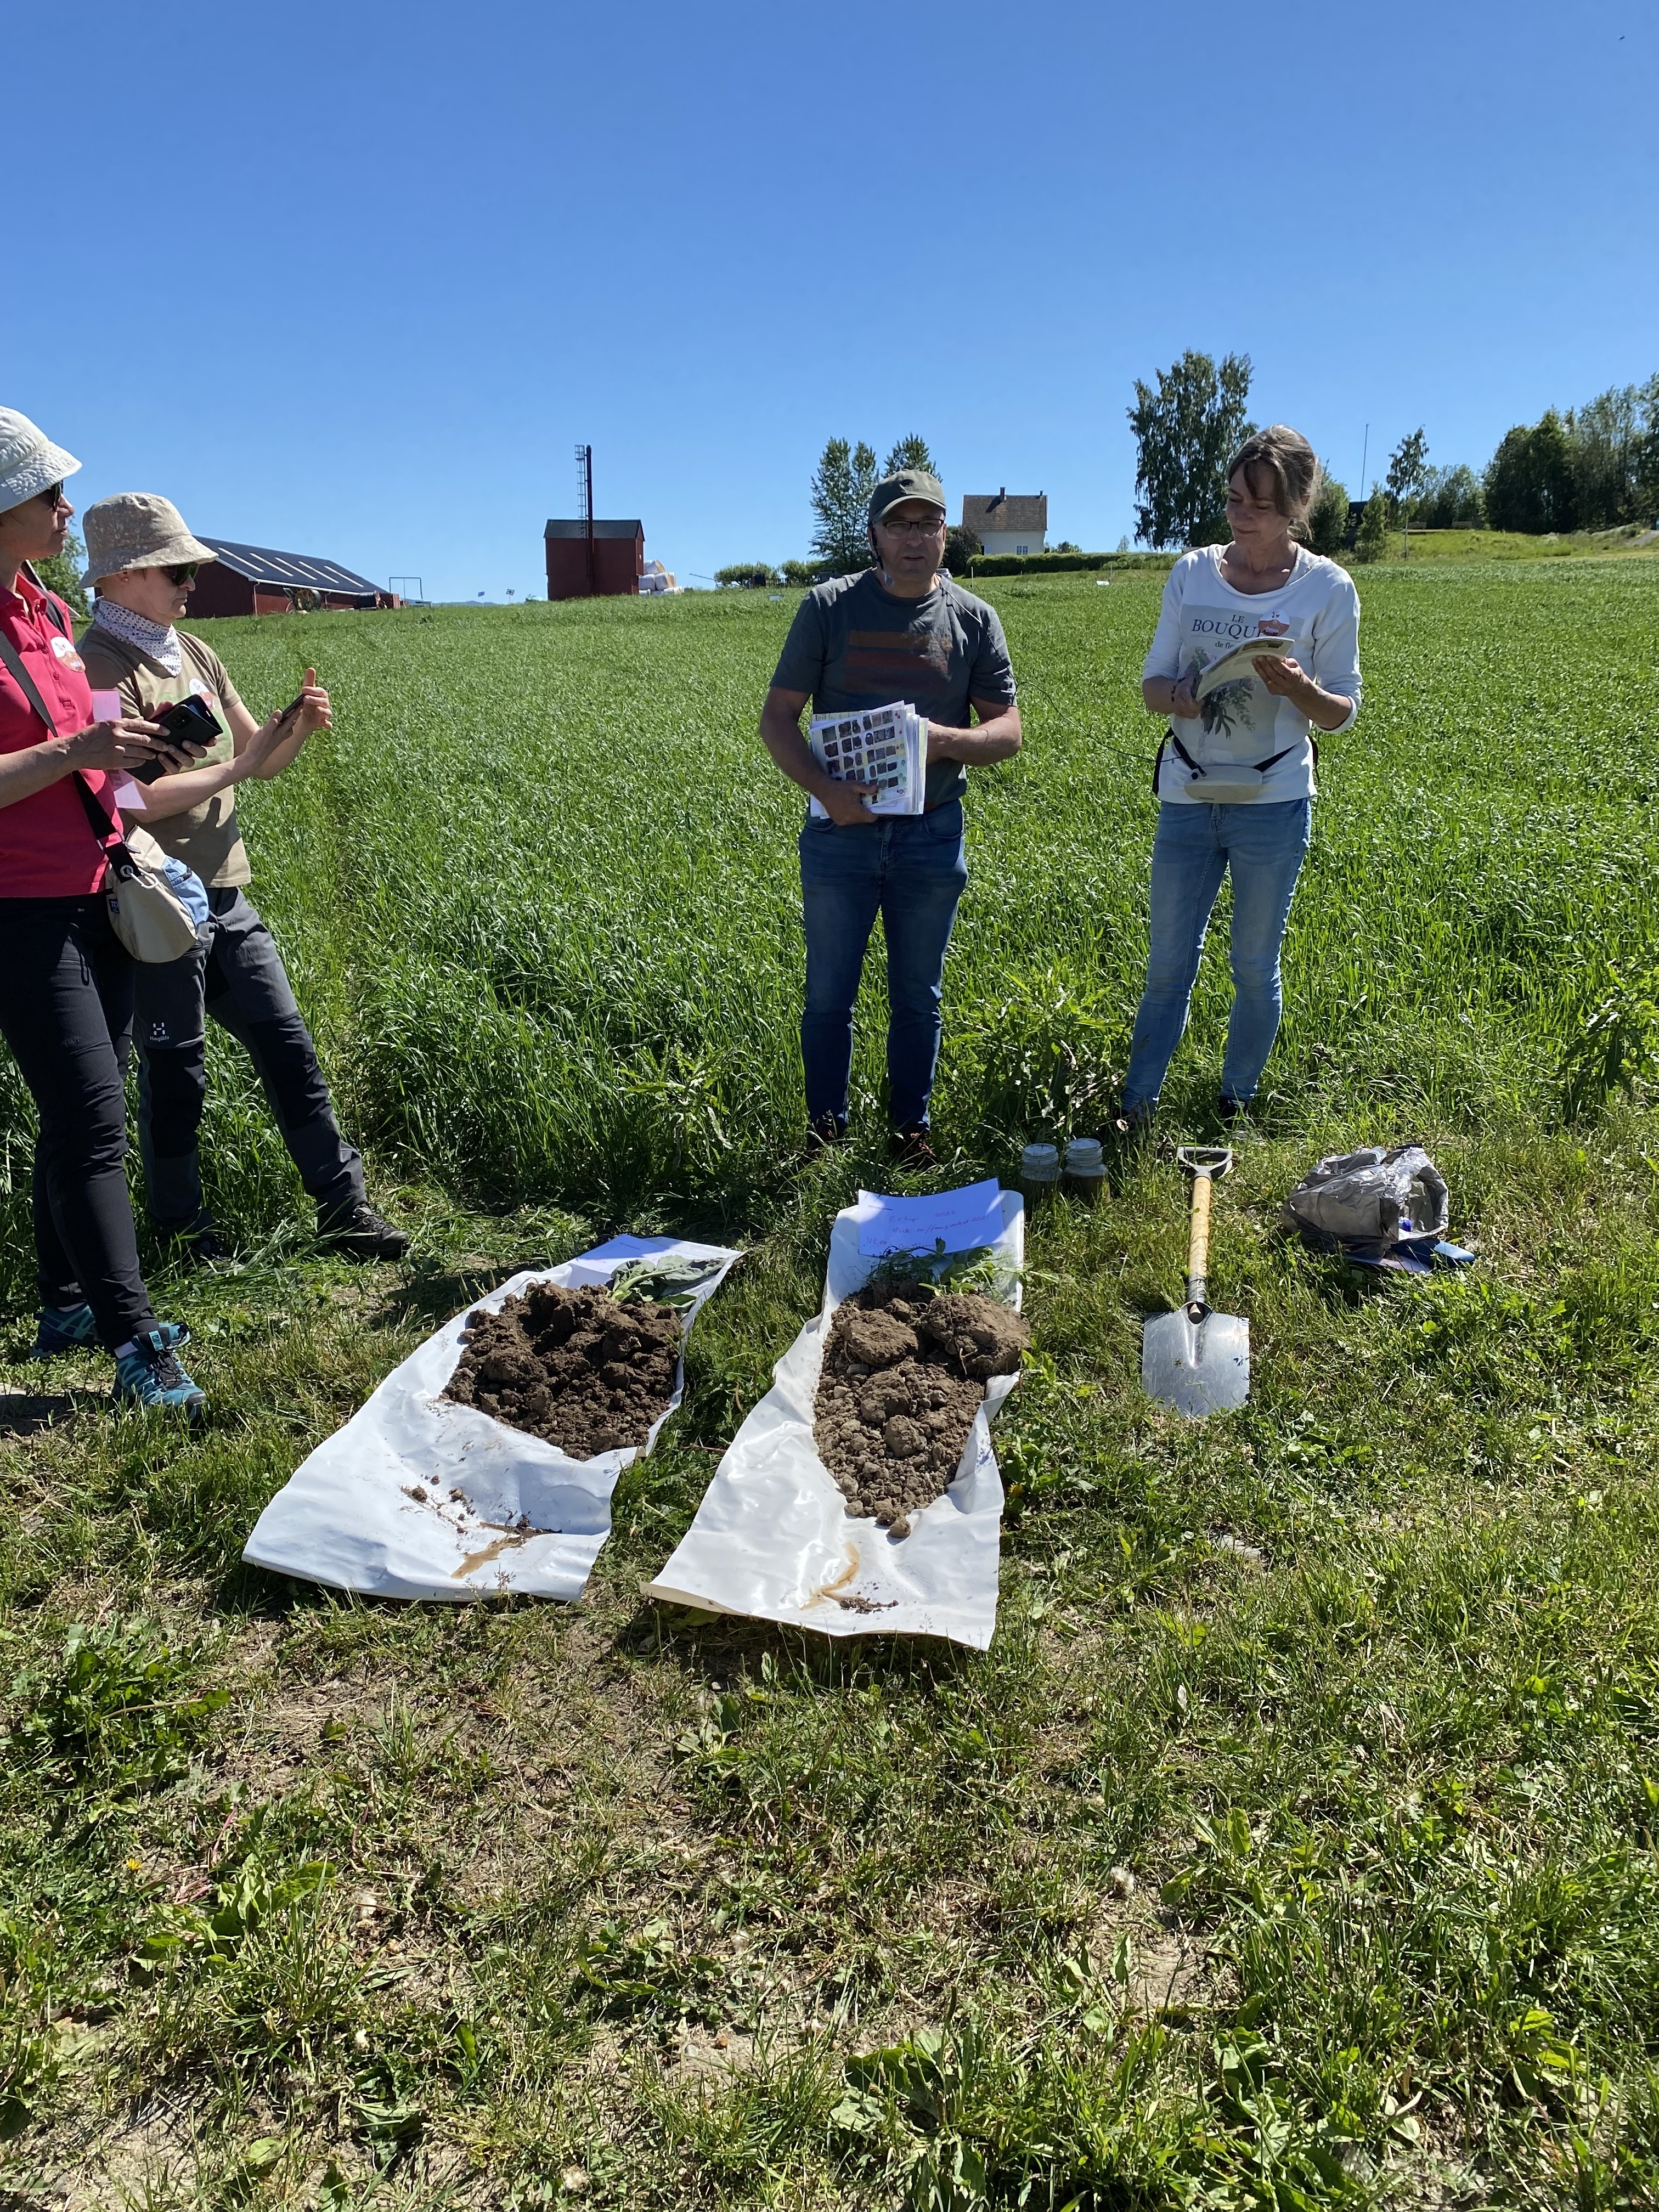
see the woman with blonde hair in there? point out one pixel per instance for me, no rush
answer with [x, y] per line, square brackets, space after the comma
[1235, 774]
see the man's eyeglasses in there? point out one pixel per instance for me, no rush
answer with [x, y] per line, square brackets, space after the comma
[185, 573]
[913, 529]
[53, 496]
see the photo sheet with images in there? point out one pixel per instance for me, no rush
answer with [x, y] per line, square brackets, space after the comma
[885, 746]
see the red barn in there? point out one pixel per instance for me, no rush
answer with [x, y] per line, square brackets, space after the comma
[619, 559]
[251, 579]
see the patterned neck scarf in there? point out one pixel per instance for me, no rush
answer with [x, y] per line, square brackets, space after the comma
[156, 644]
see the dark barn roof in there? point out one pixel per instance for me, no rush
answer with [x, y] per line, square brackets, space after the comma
[578, 528]
[262, 566]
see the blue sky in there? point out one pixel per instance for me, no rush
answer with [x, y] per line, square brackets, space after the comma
[353, 281]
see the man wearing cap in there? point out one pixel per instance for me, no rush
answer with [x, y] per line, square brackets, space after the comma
[144, 561]
[901, 629]
[65, 977]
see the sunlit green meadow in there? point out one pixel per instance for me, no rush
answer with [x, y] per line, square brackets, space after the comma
[1294, 1844]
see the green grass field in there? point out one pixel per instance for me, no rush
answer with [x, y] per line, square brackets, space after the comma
[1467, 545]
[1294, 1845]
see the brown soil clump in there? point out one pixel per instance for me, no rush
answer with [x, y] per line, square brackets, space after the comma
[904, 1373]
[576, 1367]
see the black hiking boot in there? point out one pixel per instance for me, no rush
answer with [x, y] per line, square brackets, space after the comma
[206, 1253]
[359, 1233]
[824, 1133]
[911, 1147]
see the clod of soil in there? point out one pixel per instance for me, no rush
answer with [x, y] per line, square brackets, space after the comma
[589, 1375]
[904, 1373]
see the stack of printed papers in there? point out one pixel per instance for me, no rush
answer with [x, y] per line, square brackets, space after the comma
[886, 748]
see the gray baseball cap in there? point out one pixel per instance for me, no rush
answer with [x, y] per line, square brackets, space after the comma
[908, 483]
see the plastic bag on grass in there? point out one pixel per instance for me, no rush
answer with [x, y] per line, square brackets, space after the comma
[417, 1497]
[1385, 1206]
[773, 1540]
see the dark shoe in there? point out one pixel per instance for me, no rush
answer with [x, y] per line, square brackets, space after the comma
[828, 1129]
[147, 1374]
[359, 1232]
[204, 1250]
[1228, 1110]
[63, 1328]
[911, 1147]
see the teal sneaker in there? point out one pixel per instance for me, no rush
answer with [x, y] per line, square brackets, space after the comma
[63, 1328]
[147, 1374]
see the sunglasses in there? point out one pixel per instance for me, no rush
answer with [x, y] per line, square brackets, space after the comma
[53, 495]
[185, 573]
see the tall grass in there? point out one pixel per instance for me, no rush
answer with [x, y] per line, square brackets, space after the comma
[1293, 1844]
[539, 896]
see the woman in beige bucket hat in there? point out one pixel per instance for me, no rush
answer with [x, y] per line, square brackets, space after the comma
[144, 561]
[66, 982]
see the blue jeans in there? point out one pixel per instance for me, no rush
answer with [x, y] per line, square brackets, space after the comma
[1194, 847]
[910, 869]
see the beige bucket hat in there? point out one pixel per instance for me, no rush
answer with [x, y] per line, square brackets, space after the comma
[29, 462]
[137, 529]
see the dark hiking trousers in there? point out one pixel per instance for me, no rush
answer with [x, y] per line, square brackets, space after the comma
[238, 978]
[66, 1013]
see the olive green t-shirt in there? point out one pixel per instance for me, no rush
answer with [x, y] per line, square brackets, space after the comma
[853, 645]
[206, 837]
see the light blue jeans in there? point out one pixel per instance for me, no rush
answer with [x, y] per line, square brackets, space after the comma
[1195, 846]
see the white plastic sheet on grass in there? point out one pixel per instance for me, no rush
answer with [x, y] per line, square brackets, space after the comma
[772, 1538]
[349, 1515]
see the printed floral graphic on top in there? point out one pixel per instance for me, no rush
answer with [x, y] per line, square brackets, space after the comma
[1241, 723]
[1245, 707]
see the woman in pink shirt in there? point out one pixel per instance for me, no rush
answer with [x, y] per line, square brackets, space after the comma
[65, 979]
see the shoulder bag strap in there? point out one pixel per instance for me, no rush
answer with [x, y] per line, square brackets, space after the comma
[50, 610]
[108, 832]
[1273, 759]
[24, 683]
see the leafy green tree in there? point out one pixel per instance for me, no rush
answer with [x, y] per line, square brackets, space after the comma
[911, 453]
[842, 485]
[62, 574]
[1450, 499]
[1551, 461]
[960, 546]
[799, 573]
[1327, 525]
[1646, 468]
[1512, 494]
[1529, 479]
[747, 576]
[1408, 465]
[1606, 438]
[1371, 540]
[1187, 431]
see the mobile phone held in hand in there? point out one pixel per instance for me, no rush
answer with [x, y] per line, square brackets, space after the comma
[187, 725]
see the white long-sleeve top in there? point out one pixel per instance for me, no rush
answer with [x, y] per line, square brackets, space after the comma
[1204, 617]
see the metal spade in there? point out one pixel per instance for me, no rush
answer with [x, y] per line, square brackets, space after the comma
[1194, 1360]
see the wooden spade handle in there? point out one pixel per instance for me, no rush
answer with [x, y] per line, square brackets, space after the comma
[1198, 1248]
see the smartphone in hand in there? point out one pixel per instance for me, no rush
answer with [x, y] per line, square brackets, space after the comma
[187, 725]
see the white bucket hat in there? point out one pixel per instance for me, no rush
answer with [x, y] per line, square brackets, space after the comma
[29, 462]
[137, 529]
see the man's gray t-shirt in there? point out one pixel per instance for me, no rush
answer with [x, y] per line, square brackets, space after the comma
[853, 645]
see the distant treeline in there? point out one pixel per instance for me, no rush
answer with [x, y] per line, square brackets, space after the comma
[1592, 468]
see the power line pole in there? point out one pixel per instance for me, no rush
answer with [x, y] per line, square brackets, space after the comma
[584, 509]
